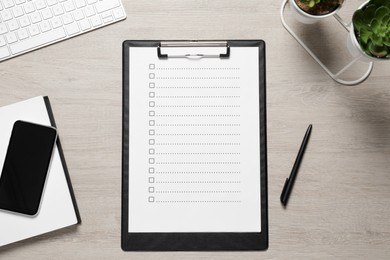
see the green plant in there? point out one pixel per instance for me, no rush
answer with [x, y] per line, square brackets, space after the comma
[372, 28]
[319, 7]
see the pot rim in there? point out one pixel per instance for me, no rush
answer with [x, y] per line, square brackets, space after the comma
[315, 17]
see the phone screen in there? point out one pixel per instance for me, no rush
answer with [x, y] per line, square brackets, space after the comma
[26, 166]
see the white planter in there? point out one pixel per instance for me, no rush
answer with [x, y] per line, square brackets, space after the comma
[306, 18]
[354, 47]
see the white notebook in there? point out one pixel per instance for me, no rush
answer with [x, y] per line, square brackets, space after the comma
[58, 208]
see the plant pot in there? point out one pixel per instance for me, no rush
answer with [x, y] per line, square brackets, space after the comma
[306, 18]
[354, 47]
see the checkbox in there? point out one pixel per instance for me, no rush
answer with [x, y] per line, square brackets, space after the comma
[151, 189]
[151, 141]
[152, 66]
[151, 170]
[152, 123]
[152, 85]
[151, 199]
[151, 179]
[152, 76]
[152, 103]
[152, 94]
[152, 113]
[151, 160]
[152, 132]
[151, 151]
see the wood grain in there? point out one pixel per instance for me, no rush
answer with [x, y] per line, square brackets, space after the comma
[340, 205]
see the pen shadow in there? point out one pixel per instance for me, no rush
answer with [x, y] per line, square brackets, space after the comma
[56, 234]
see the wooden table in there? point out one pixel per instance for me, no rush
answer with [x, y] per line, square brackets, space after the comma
[340, 205]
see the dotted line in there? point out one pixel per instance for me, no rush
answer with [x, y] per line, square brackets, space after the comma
[198, 201]
[197, 153]
[198, 68]
[192, 172]
[198, 125]
[199, 191]
[198, 163]
[197, 96]
[198, 87]
[203, 182]
[198, 106]
[198, 78]
[198, 115]
[199, 134]
[197, 143]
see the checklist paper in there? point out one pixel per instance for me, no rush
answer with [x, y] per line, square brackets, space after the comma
[194, 148]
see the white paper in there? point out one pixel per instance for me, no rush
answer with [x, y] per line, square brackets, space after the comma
[194, 143]
[56, 209]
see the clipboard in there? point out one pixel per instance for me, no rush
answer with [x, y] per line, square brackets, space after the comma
[142, 237]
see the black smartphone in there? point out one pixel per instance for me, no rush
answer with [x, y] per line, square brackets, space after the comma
[26, 166]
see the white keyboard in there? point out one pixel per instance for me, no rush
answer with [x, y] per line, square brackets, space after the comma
[26, 25]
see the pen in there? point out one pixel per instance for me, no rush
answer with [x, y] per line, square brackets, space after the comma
[290, 181]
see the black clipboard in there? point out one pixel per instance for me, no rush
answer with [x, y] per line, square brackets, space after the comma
[226, 241]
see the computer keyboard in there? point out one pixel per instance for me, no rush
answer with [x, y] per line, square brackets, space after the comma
[26, 25]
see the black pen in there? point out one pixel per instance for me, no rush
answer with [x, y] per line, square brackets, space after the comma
[290, 181]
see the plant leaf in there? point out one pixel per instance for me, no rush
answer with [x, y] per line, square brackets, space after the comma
[377, 51]
[358, 20]
[364, 35]
[369, 13]
[381, 12]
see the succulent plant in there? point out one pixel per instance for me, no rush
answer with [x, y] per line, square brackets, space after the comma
[319, 7]
[372, 28]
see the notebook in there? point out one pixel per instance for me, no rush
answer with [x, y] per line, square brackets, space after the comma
[58, 206]
[194, 146]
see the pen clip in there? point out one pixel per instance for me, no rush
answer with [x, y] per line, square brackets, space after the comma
[283, 195]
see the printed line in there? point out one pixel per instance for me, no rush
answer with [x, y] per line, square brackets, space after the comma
[199, 134]
[199, 191]
[198, 153]
[195, 172]
[200, 182]
[197, 68]
[198, 115]
[198, 144]
[198, 124]
[198, 163]
[217, 78]
[197, 87]
[221, 106]
[198, 201]
[197, 96]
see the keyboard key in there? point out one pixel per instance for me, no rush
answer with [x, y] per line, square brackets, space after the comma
[2, 41]
[11, 37]
[67, 19]
[24, 21]
[118, 13]
[72, 29]
[34, 30]
[104, 5]
[69, 6]
[84, 25]
[80, 3]
[35, 17]
[29, 8]
[40, 4]
[56, 22]
[18, 2]
[96, 21]
[3, 28]
[91, 1]
[89, 11]
[38, 40]
[8, 3]
[22, 34]
[6, 15]
[78, 15]
[4, 52]
[57, 10]
[51, 2]
[13, 25]
[45, 26]
[107, 17]
[46, 13]
[17, 11]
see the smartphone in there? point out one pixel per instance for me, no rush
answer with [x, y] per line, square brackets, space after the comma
[26, 167]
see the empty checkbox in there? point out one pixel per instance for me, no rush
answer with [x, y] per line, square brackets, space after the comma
[151, 170]
[152, 132]
[152, 94]
[151, 75]
[152, 113]
[152, 66]
[151, 199]
[152, 85]
[152, 104]
[151, 151]
[151, 160]
[151, 141]
[151, 179]
[151, 189]
[152, 123]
